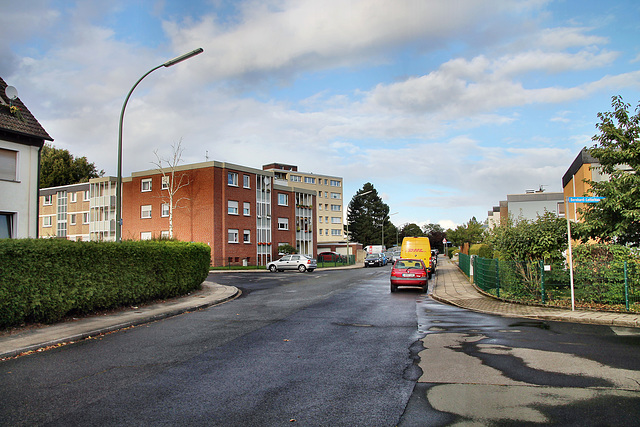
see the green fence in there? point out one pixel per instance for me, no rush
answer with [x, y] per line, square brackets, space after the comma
[613, 285]
[464, 262]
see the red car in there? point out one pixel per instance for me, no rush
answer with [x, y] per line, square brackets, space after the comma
[409, 272]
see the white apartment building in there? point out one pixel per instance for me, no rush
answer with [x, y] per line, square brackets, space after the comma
[329, 198]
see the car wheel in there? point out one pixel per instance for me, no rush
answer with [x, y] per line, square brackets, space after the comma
[272, 268]
[302, 268]
[394, 288]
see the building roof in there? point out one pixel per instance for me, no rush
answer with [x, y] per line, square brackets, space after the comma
[535, 197]
[22, 124]
[583, 158]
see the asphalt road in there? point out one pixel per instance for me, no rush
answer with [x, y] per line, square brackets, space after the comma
[330, 348]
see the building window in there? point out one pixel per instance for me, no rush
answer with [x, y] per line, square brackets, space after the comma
[247, 236]
[164, 212]
[72, 197]
[320, 220]
[145, 235]
[309, 180]
[296, 178]
[335, 183]
[164, 234]
[8, 165]
[85, 218]
[283, 223]
[335, 232]
[61, 230]
[72, 219]
[46, 221]
[335, 220]
[232, 207]
[246, 208]
[48, 200]
[165, 182]
[6, 225]
[320, 207]
[232, 179]
[145, 211]
[283, 199]
[335, 195]
[145, 185]
[86, 196]
[246, 181]
[335, 208]
[233, 235]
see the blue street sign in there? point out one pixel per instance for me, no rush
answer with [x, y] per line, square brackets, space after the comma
[584, 199]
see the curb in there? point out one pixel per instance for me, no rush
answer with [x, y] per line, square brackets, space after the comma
[141, 320]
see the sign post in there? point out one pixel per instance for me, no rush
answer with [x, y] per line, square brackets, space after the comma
[566, 214]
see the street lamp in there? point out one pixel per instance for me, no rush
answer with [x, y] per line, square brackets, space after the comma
[383, 218]
[396, 229]
[349, 235]
[169, 63]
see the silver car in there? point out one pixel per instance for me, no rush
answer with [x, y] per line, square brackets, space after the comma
[301, 263]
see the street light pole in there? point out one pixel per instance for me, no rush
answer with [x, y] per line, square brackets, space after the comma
[169, 63]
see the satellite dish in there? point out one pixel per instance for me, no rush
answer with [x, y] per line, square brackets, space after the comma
[11, 92]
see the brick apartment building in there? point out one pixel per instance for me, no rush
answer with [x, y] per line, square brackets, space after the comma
[242, 213]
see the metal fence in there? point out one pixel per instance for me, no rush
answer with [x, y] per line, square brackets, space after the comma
[605, 285]
[464, 262]
[231, 263]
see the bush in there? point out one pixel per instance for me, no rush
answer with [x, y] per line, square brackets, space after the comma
[483, 250]
[44, 280]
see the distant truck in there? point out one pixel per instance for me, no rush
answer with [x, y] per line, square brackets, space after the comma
[418, 247]
[375, 249]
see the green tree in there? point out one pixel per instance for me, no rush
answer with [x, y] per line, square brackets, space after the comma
[436, 234]
[367, 214]
[59, 167]
[524, 243]
[526, 240]
[617, 148]
[471, 233]
[410, 230]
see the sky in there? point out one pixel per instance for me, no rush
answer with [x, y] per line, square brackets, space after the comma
[444, 106]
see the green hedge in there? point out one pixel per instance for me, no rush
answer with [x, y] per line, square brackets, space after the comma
[43, 280]
[483, 250]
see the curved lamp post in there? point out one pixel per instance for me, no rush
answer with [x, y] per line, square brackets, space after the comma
[169, 63]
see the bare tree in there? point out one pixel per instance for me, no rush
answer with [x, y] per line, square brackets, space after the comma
[172, 184]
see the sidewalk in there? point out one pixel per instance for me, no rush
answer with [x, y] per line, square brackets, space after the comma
[452, 287]
[33, 339]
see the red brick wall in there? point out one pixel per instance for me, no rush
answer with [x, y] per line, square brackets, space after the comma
[202, 214]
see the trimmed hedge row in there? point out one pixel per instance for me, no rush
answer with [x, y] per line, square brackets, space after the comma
[43, 280]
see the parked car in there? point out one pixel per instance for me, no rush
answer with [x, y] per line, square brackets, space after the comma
[409, 272]
[434, 258]
[301, 263]
[329, 257]
[374, 260]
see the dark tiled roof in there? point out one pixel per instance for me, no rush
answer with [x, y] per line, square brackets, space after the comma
[23, 124]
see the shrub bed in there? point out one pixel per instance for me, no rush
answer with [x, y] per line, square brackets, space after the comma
[43, 280]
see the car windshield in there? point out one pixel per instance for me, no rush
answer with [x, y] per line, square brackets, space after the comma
[408, 264]
[372, 256]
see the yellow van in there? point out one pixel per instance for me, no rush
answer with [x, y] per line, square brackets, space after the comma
[418, 247]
